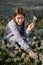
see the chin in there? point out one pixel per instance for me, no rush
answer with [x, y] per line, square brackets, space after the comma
[19, 24]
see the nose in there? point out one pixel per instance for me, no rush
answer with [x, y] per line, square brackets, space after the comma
[20, 19]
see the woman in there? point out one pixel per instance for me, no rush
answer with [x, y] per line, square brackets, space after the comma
[15, 31]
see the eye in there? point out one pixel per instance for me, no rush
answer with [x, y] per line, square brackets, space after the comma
[22, 17]
[18, 17]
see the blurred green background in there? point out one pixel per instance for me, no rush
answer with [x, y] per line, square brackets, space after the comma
[11, 56]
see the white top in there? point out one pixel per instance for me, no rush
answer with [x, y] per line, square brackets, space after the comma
[12, 28]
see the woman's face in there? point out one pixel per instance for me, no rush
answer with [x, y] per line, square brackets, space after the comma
[19, 19]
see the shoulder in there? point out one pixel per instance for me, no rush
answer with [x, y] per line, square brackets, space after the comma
[11, 23]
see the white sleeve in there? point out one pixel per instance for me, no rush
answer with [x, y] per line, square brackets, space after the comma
[27, 32]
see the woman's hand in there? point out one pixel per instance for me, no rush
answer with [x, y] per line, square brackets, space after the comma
[31, 26]
[31, 54]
